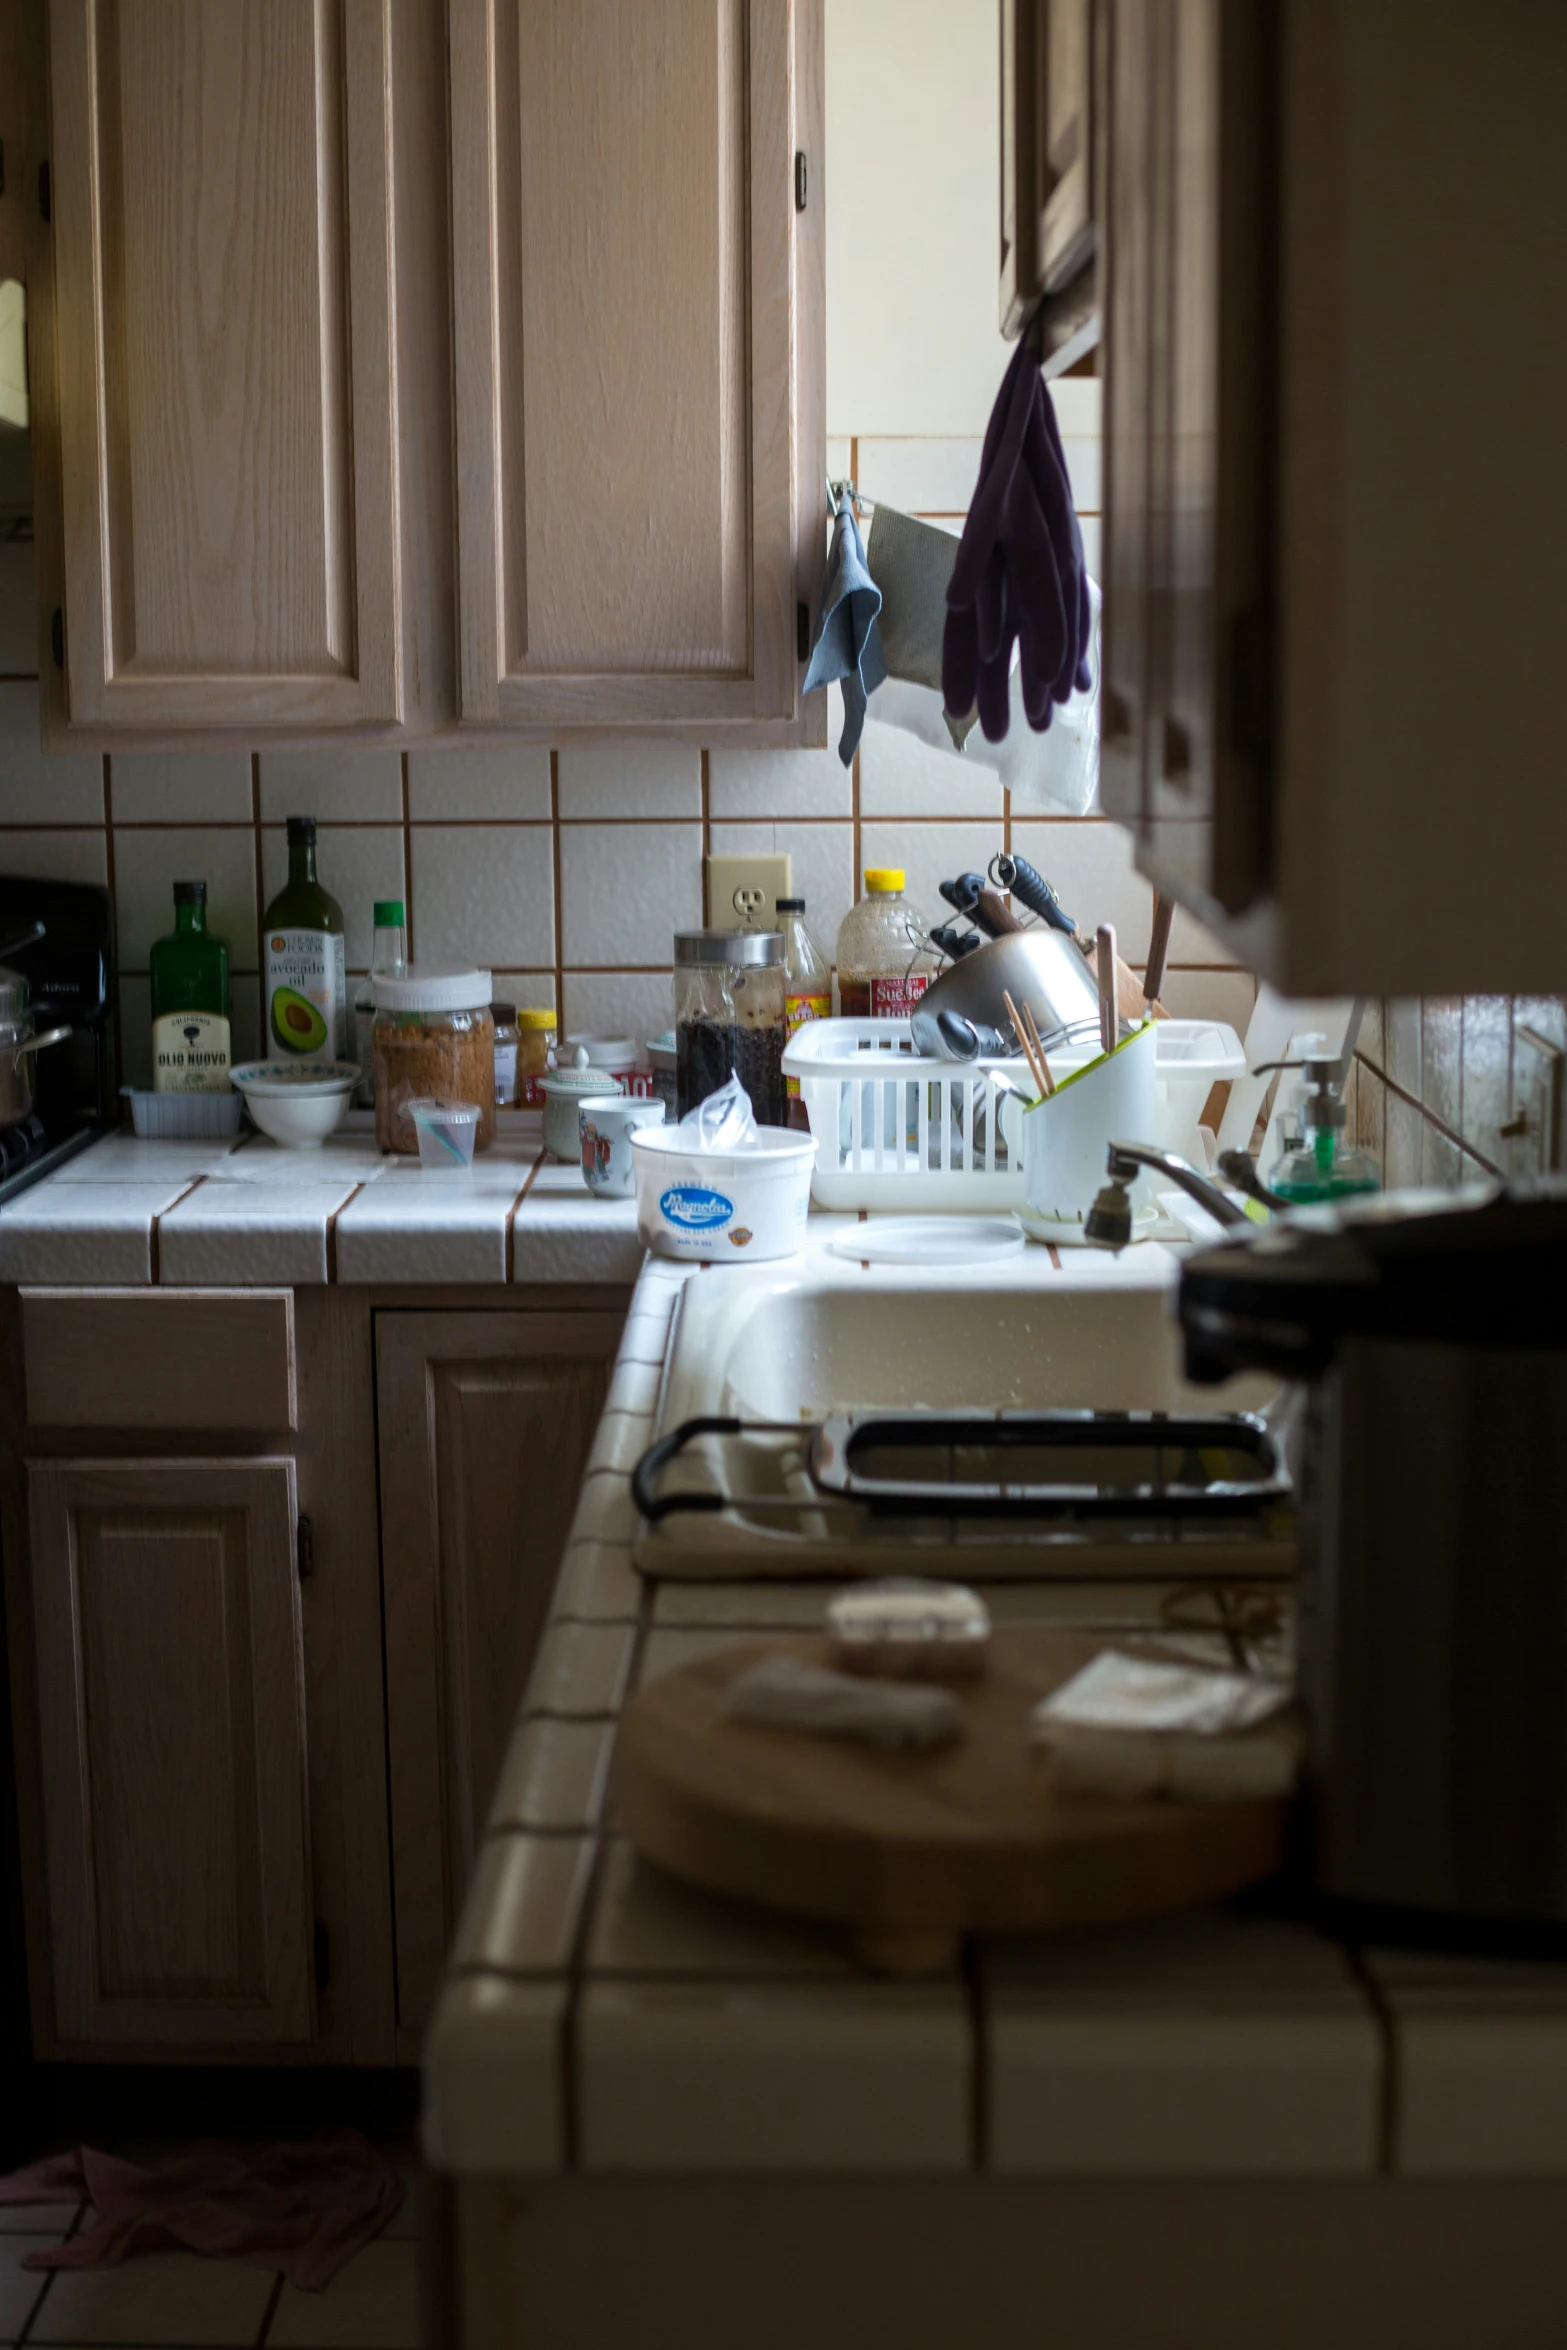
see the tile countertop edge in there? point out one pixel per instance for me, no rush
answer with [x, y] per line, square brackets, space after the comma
[215, 1217]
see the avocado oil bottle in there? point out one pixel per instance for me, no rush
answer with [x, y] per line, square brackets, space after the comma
[189, 978]
[304, 981]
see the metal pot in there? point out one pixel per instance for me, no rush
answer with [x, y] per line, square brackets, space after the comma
[1036, 967]
[19, 1041]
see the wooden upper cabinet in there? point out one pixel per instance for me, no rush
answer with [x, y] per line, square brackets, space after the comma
[624, 315]
[226, 374]
[1066, 157]
[170, 1701]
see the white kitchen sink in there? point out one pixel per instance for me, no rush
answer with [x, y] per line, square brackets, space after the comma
[825, 1336]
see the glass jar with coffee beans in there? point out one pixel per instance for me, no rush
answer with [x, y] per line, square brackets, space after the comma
[730, 988]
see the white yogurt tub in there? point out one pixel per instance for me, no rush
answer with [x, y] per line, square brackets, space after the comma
[722, 1207]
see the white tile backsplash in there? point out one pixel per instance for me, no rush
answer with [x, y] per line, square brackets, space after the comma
[625, 889]
[356, 864]
[920, 476]
[335, 786]
[511, 785]
[39, 787]
[57, 856]
[483, 894]
[146, 867]
[751, 783]
[822, 861]
[902, 776]
[928, 854]
[638, 1004]
[181, 787]
[630, 775]
[1088, 862]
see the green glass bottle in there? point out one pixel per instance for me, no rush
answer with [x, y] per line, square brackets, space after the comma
[304, 973]
[190, 1000]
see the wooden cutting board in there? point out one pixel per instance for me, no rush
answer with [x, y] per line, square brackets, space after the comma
[913, 1851]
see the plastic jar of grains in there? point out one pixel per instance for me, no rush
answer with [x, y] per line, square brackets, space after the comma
[433, 1039]
[730, 988]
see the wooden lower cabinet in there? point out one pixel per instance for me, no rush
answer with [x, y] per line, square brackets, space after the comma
[484, 1422]
[171, 1705]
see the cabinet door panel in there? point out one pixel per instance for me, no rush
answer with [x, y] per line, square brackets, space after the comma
[226, 374]
[171, 1710]
[623, 307]
[1128, 370]
[1066, 167]
[485, 1421]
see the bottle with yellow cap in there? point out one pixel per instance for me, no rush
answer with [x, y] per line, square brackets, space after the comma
[885, 960]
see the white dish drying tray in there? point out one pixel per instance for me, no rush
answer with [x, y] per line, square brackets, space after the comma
[901, 1129]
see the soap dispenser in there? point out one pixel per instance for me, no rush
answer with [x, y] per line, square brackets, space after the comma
[1320, 1167]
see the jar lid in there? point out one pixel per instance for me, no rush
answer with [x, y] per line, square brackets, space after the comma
[605, 1052]
[580, 1079]
[504, 1015]
[432, 987]
[745, 950]
[531, 1017]
[388, 914]
[883, 878]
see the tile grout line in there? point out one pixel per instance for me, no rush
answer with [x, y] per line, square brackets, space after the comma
[154, 1248]
[511, 1212]
[555, 876]
[270, 2311]
[331, 1234]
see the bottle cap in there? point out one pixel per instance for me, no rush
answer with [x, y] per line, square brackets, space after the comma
[788, 905]
[388, 913]
[431, 987]
[883, 878]
[531, 1017]
[504, 1015]
[301, 832]
[190, 893]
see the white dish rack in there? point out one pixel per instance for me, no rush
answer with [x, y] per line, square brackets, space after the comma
[901, 1129]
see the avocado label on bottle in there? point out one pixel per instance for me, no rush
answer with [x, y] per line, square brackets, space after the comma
[190, 1053]
[306, 991]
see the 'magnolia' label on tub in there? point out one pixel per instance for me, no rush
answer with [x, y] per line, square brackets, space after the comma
[694, 1209]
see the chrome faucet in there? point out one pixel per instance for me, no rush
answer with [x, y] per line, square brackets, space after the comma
[1109, 1221]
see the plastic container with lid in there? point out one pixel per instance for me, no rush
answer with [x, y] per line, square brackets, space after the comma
[730, 988]
[885, 960]
[433, 1039]
[613, 1056]
[446, 1132]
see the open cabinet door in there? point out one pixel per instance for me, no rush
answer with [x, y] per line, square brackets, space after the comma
[624, 316]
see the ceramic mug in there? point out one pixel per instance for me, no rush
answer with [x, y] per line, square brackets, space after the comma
[604, 1125]
[1066, 1137]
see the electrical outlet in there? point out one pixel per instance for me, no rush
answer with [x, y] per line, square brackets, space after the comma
[742, 891]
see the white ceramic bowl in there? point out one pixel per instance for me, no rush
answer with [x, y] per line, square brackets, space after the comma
[298, 1103]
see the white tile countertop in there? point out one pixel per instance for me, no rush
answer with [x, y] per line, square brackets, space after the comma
[601, 2020]
[249, 1214]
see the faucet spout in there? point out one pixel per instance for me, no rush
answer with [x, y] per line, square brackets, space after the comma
[1109, 1221]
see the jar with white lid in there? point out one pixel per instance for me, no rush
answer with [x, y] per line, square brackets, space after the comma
[433, 1039]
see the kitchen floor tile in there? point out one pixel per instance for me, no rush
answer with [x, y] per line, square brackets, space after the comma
[167, 2299]
[372, 2304]
[20, 2287]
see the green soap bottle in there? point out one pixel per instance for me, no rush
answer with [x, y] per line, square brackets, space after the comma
[304, 971]
[190, 1000]
[1322, 1166]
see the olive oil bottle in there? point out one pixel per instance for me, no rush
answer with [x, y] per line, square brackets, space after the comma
[190, 1000]
[304, 975]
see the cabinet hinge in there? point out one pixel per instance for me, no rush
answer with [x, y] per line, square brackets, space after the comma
[305, 1548]
[802, 631]
[44, 204]
[57, 637]
[323, 1954]
[799, 179]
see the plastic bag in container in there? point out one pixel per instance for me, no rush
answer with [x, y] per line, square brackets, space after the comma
[723, 1122]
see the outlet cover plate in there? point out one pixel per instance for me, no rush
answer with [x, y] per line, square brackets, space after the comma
[742, 891]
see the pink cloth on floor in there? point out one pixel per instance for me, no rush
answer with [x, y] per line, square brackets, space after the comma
[304, 2209]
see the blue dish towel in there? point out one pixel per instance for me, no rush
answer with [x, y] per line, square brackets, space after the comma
[848, 644]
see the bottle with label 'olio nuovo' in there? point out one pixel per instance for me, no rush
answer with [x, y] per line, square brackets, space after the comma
[304, 973]
[189, 976]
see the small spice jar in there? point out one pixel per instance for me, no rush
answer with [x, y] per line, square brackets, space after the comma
[506, 1038]
[433, 1039]
[536, 1033]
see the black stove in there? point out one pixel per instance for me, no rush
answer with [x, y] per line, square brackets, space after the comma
[70, 977]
